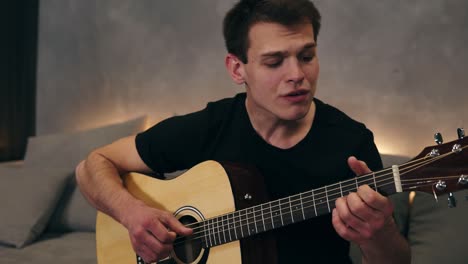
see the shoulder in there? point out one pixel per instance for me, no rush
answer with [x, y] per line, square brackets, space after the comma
[198, 123]
[226, 103]
[330, 116]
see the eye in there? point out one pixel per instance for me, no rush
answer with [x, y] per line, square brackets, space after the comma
[274, 64]
[307, 58]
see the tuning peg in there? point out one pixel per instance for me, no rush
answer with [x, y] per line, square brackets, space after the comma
[438, 138]
[461, 133]
[463, 179]
[452, 202]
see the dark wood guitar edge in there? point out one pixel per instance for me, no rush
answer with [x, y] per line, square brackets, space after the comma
[249, 189]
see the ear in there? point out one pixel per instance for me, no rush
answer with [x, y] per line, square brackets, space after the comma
[235, 68]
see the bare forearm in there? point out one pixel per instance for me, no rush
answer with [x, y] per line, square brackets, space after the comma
[99, 181]
[389, 246]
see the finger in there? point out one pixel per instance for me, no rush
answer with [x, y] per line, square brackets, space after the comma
[143, 251]
[161, 249]
[375, 200]
[359, 208]
[147, 254]
[350, 220]
[357, 166]
[342, 229]
[149, 246]
[161, 232]
[175, 225]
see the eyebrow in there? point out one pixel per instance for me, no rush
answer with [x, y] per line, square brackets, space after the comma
[283, 53]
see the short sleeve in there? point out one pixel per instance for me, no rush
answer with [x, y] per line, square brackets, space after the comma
[178, 142]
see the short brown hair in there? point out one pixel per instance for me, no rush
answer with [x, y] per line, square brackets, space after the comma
[246, 13]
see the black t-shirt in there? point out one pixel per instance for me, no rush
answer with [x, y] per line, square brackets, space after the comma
[223, 132]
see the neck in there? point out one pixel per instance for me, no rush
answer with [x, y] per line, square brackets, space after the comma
[289, 210]
[279, 132]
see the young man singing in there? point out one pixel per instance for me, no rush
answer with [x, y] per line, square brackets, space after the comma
[297, 142]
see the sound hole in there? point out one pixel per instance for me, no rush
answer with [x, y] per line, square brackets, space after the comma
[187, 249]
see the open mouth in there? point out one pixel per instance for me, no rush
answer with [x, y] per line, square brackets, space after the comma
[297, 93]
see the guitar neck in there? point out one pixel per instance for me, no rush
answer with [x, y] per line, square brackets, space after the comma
[293, 209]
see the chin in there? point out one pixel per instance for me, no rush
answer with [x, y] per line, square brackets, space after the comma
[294, 116]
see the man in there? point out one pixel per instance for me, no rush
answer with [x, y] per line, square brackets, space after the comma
[297, 142]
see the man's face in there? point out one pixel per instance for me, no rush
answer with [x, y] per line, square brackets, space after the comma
[282, 70]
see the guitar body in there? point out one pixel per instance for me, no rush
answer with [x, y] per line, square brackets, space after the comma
[205, 191]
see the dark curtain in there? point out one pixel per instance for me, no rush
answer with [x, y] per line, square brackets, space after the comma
[18, 53]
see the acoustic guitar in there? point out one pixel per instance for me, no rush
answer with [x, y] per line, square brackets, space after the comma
[229, 211]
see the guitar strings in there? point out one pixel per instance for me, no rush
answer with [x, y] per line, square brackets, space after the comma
[241, 226]
[316, 194]
[218, 226]
[403, 168]
[221, 228]
[362, 179]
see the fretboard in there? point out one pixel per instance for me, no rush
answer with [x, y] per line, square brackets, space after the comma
[285, 211]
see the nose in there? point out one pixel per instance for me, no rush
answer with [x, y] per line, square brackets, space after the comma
[295, 72]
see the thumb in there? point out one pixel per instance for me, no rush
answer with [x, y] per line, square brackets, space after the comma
[176, 226]
[357, 166]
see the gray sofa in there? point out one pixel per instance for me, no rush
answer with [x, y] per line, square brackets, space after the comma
[45, 219]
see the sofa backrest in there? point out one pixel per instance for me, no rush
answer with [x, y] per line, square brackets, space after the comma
[66, 150]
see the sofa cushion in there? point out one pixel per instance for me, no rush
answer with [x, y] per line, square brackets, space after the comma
[73, 212]
[28, 197]
[70, 248]
[436, 232]
[68, 149]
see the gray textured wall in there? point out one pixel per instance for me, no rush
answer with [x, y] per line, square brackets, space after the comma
[398, 66]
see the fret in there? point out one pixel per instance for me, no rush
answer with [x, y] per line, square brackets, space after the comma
[375, 183]
[234, 224]
[225, 225]
[212, 242]
[221, 228]
[308, 204]
[302, 206]
[272, 220]
[326, 195]
[332, 197]
[286, 212]
[341, 190]
[276, 211]
[255, 221]
[263, 218]
[216, 237]
[241, 224]
[268, 225]
[218, 230]
[247, 219]
[348, 189]
[357, 185]
[229, 227]
[280, 212]
[202, 237]
[313, 199]
[320, 199]
[205, 228]
[290, 209]
[297, 208]
[258, 218]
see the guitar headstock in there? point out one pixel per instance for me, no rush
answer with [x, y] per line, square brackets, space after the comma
[438, 169]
